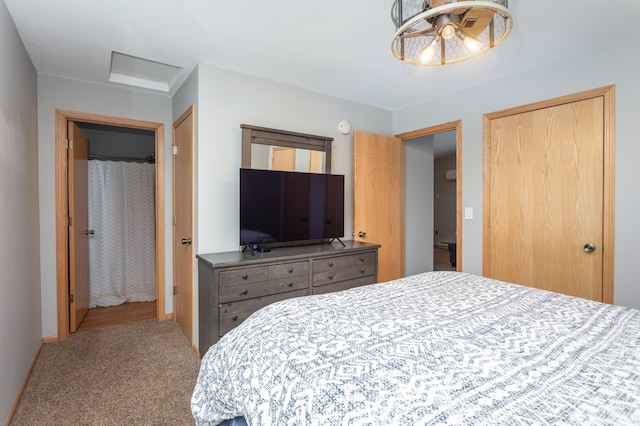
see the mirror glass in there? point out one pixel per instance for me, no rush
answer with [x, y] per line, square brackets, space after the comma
[271, 157]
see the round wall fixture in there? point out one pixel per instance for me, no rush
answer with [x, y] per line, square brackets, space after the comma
[344, 127]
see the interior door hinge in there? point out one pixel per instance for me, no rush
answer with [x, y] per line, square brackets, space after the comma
[71, 298]
[175, 290]
[174, 149]
[69, 221]
[174, 220]
[69, 144]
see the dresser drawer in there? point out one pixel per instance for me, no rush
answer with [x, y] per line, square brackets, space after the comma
[361, 259]
[245, 275]
[343, 285]
[288, 270]
[329, 264]
[232, 314]
[361, 270]
[331, 276]
[233, 293]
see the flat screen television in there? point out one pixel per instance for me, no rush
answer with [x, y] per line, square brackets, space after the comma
[280, 208]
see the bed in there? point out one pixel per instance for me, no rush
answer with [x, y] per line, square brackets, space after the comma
[435, 348]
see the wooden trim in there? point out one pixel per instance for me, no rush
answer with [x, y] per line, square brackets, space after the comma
[62, 242]
[608, 95]
[160, 223]
[486, 194]
[445, 127]
[609, 193]
[567, 99]
[196, 351]
[62, 246]
[50, 339]
[12, 412]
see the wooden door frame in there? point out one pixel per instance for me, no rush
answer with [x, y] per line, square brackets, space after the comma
[608, 95]
[189, 111]
[427, 131]
[62, 244]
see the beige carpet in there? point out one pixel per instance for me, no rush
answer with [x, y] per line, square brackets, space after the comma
[133, 374]
[441, 261]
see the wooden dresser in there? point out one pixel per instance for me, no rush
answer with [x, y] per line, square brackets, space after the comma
[233, 285]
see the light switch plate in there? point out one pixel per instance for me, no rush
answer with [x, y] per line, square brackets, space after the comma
[468, 213]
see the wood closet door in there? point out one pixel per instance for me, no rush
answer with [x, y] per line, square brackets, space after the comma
[545, 171]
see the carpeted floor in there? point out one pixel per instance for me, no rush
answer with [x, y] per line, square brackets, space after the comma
[441, 260]
[133, 374]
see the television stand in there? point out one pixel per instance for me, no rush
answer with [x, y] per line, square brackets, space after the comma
[339, 240]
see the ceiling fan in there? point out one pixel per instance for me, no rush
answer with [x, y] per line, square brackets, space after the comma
[439, 32]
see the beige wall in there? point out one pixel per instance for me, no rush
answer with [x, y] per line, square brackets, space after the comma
[20, 326]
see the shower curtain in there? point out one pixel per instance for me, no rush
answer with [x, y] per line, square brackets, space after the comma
[122, 250]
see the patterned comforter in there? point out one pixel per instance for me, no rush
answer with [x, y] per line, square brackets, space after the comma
[436, 348]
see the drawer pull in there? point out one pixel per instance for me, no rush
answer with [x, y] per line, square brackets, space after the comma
[245, 276]
[234, 318]
[361, 258]
[290, 270]
[330, 263]
[290, 284]
[362, 270]
[330, 276]
[244, 292]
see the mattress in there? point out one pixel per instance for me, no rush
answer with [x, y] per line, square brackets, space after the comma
[435, 348]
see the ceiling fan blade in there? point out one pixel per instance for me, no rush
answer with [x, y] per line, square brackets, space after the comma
[475, 20]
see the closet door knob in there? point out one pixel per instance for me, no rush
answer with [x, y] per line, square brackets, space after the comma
[589, 248]
[186, 241]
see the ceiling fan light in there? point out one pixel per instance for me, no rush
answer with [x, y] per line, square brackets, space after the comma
[471, 42]
[448, 31]
[428, 52]
[480, 25]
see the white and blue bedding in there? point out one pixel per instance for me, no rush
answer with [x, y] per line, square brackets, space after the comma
[435, 348]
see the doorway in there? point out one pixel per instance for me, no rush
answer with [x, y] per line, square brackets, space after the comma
[434, 155]
[62, 218]
[121, 223]
[379, 164]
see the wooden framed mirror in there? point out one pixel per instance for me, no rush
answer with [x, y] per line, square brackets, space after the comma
[273, 149]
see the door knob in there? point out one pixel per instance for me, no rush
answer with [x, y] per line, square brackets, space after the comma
[186, 241]
[362, 234]
[89, 232]
[589, 248]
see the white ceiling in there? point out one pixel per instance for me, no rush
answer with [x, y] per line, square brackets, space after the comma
[337, 47]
